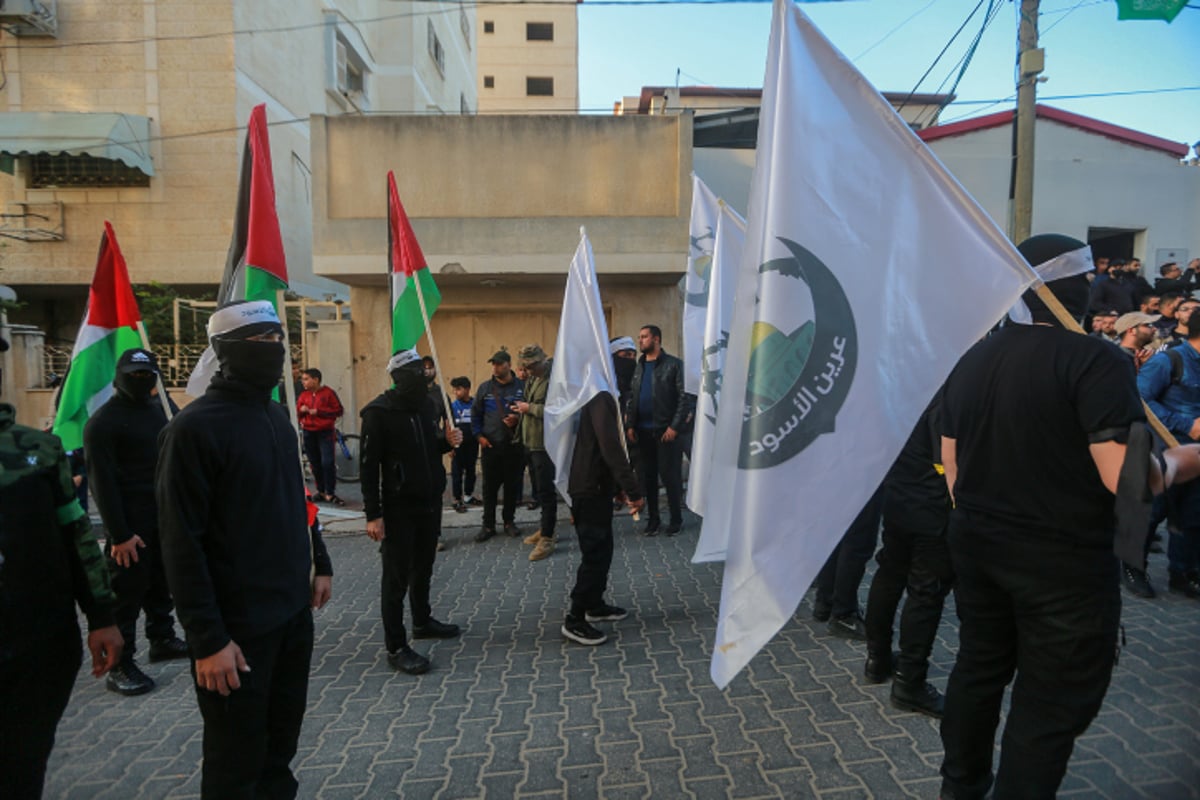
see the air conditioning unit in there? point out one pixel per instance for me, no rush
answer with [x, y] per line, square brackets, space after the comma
[29, 17]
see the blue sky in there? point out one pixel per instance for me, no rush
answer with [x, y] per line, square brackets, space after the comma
[622, 48]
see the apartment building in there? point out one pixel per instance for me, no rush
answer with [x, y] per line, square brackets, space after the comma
[528, 57]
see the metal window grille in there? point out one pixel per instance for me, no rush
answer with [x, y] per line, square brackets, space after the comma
[47, 171]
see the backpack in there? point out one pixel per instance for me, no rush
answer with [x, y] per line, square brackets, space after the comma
[1176, 365]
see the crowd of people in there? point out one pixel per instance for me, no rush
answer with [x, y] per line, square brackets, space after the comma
[1009, 491]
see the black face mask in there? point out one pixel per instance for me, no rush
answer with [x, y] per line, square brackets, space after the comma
[256, 364]
[410, 385]
[134, 386]
[624, 367]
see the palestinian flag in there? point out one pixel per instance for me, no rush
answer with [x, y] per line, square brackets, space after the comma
[407, 270]
[256, 268]
[109, 328]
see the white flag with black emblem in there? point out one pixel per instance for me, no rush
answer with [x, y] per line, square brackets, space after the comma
[702, 234]
[848, 315]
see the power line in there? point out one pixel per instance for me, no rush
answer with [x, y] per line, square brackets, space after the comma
[888, 35]
[921, 80]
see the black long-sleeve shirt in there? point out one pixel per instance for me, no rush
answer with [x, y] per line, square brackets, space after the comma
[120, 442]
[232, 517]
[401, 456]
[599, 464]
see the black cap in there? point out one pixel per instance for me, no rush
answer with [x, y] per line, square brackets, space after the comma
[501, 355]
[137, 360]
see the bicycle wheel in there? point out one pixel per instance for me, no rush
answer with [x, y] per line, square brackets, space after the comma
[345, 456]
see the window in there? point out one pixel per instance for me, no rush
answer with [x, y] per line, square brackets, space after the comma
[347, 72]
[435, 47]
[489, 81]
[539, 31]
[489, 26]
[539, 87]
[47, 171]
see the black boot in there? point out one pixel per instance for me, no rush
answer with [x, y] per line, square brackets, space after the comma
[1136, 582]
[408, 660]
[167, 649]
[920, 697]
[879, 666]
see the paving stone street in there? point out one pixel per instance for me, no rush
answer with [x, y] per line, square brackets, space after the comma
[512, 710]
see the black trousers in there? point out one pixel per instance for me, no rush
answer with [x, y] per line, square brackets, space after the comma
[318, 445]
[503, 465]
[918, 561]
[661, 460]
[250, 736]
[1048, 611]
[593, 528]
[462, 468]
[541, 470]
[408, 550]
[837, 582]
[34, 690]
[142, 586]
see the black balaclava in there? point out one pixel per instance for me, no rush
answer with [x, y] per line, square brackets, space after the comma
[1072, 292]
[410, 384]
[623, 368]
[137, 375]
[255, 364]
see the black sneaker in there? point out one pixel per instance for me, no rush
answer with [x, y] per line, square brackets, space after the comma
[1136, 582]
[472, 501]
[127, 679]
[484, 534]
[651, 528]
[879, 666]
[578, 630]
[1188, 585]
[408, 660]
[673, 528]
[821, 611]
[606, 613]
[460, 507]
[924, 699]
[850, 626]
[167, 649]
[435, 630]
[510, 529]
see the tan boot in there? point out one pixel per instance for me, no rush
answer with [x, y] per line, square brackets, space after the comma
[542, 549]
[534, 537]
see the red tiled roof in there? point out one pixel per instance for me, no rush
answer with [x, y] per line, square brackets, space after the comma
[1108, 130]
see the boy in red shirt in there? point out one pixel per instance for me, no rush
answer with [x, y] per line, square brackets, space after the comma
[319, 408]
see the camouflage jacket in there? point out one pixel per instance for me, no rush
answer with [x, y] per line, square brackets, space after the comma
[49, 559]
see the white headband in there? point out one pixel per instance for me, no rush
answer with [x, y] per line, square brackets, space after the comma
[239, 315]
[402, 358]
[623, 343]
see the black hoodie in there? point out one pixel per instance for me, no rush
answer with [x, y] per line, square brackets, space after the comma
[402, 454]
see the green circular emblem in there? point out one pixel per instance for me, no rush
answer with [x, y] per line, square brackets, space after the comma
[798, 380]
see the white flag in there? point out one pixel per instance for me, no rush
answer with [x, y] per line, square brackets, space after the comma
[582, 364]
[848, 316]
[702, 232]
[727, 252]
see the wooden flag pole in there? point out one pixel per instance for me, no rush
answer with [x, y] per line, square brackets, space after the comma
[1070, 323]
[162, 392]
[437, 364]
[289, 387]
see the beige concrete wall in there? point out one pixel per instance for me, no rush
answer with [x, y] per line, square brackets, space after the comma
[509, 58]
[503, 194]
[473, 323]
[177, 230]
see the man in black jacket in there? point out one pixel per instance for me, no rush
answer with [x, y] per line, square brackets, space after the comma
[599, 468]
[654, 418]
[121, 442]
[236, 546]
[403, 480]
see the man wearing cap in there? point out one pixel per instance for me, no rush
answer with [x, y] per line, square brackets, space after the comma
[494, 420]
[121, 442]
[49, 563]
[532, 410]
[237, 550]
[1136, 331]
[1036, 425]
[655, 416]
[402, 481]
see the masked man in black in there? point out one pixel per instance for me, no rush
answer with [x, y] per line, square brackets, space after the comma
[403, 479]
[121, 442]
[238, 551]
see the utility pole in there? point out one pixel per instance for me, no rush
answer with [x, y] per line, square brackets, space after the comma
[1030, 63]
